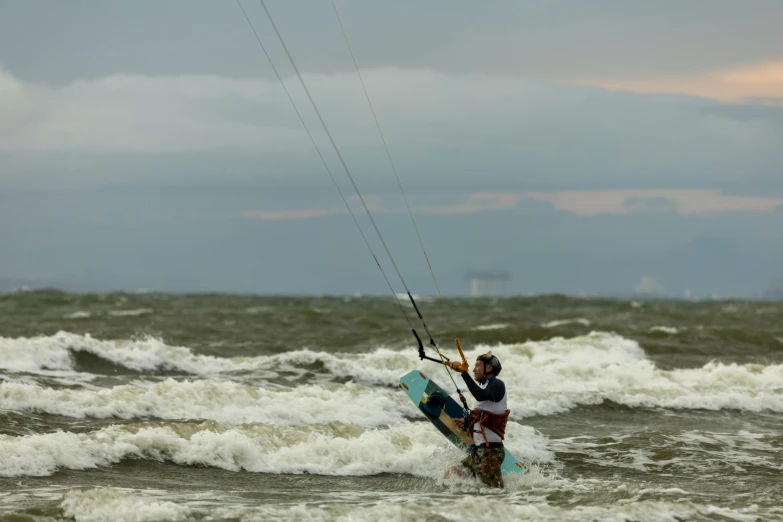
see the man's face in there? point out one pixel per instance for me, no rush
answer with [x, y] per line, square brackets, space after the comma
[478, 370]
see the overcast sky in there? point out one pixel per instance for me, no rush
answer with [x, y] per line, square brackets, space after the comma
[124, 123]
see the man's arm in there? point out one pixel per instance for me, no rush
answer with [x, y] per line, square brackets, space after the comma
[493, 392]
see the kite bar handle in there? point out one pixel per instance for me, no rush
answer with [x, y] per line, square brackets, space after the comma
[461, 353]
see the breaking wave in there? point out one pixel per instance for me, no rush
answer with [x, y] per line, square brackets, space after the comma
[543, 378]
[222, 401]
[123, 505]
[56, 352]
[333, 448]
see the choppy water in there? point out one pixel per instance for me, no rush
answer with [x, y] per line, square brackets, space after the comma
[160, 407]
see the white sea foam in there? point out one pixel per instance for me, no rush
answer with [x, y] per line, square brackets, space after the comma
[468, 508]
[224, 401]
[24, 495]
[80, 314]
[258, 309]
[327, 449]
[131, 506]
[66, 378]
[118, 505]
[543, 377]
[485, 327]
[131, 313]
[556, 375]
[665, 329]
[382, 366]
[563, 322]
[738, 451]
[687, 452]
[147, 354]
[30, 355]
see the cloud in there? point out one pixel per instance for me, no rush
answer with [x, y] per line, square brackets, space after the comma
[760, 83]
[650, 204]
[121, 113]
[582, 203]
[683, 201]
[475, 131]
[591, 203]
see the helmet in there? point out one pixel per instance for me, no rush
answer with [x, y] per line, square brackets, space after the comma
[491, 360]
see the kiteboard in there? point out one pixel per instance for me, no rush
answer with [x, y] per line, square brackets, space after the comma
[441, 410]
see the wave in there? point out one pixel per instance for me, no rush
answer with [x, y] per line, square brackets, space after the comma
[131, 313]
[665, 329]
[223, 401]
[542, 377]
[124, 505]
[486, 327]
[56, 352]
[686, 452]
[564, 322]
[80, 314]
[326, 449]
[119, 505]
[556, 375]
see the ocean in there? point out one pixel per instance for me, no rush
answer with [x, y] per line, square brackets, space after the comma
[163, 407]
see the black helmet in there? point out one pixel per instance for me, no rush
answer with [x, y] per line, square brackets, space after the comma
[491, 360]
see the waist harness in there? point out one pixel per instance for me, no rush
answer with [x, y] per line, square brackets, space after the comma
[486, 419]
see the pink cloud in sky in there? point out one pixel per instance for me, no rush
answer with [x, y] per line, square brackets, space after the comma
[754, 82]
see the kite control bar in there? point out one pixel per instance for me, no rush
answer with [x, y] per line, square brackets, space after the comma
[422, 355]
[443, 359]
[461, 354]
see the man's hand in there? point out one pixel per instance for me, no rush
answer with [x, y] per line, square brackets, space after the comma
[457, 366]
[460, 423]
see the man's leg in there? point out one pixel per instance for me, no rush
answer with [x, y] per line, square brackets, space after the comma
[458, 470]
[467, 466]
[489, 468]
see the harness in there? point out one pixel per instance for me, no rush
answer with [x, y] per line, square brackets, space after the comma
[487, 419]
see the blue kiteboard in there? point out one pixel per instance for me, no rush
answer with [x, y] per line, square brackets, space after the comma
[441, 410]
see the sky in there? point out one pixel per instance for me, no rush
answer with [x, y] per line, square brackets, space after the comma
[599, 147]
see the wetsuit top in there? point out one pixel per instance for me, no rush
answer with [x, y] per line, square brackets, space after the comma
[491, 396]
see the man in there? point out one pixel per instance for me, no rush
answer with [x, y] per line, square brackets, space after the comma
[488, 419]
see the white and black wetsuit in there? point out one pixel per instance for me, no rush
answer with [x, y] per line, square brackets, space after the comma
[491, 396]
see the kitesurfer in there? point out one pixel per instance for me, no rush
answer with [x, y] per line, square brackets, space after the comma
[488, 418]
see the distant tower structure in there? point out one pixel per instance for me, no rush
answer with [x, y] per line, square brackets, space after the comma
[648, 288]
[487, 282]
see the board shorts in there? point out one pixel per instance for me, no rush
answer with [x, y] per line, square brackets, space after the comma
[484, 463]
